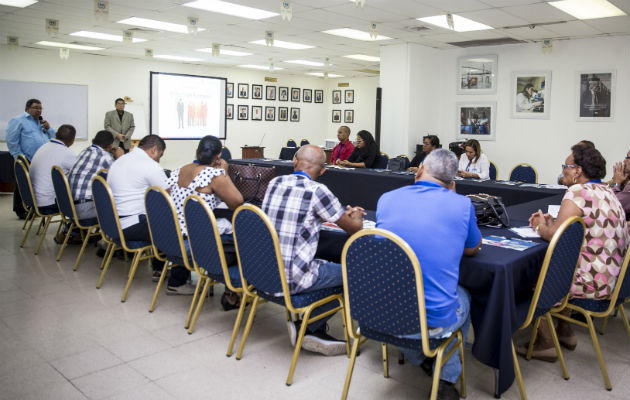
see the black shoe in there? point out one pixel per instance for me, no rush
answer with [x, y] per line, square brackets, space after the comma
[427, 365]
[100, 252]
[227, 306]
[21, 215]
[446, 391]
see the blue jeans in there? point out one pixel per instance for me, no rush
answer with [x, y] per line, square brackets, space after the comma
[329, 276]
[452, 368]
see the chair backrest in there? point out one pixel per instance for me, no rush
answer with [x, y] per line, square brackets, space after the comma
[558, 269]
[204, 239]
[63, 193]
[624, 277]
[106, 209]
[102, 173]
[25, 187]
[226, 154]
[405, 159]
[291, 143]
[382, 282]
[24, 160]
[381, 161]
[304, 142]
[524, 173]
[493, 171]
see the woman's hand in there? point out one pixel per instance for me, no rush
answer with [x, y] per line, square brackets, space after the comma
[619, 176]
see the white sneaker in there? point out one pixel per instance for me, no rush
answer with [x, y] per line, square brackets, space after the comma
[183, 290]
[292, 328]
[321, 342]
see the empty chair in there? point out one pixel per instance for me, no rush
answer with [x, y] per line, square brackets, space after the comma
[226, 154]
[381, 161]
[493, 171]
[304, 142]
[291, 143]
[524, 173]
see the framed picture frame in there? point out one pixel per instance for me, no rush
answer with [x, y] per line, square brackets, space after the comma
[283, 93]
[283, 113]
[257, 92]
[243, 90]
[596, 95]
[477, 74]
[295, 114]
[336, 96]
[229, 90]
[319, 96]
[348, 96]
[336, 116]
[295, 94]
[476, 120]
[270, 93]
[531, 94]
[348, 116]
[243, 112]
[257, 113]
[229, 111]
[307, 95]
[270, 113]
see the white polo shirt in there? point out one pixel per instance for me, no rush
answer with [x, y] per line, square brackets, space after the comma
[129, 177]
[52, 153]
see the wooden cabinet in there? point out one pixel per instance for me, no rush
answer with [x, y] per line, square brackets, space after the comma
[253, 152]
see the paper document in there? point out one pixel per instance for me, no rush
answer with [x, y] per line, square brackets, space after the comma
[525, 232]
[553, 210]
[553, 186]
[513, 244]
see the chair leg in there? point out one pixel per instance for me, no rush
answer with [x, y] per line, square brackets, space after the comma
[29, 216]
[27, 231]
[132, 272]
[556, 343]
[624, 318]
[345, 329]
[65, 241]
[200, 302]
[385, 363]
[43, 235]
[107, 260]
[158, 288]
[602, 330]
[193, 303]
[237, 324]
[353, 357]
[298, 344]
[41, 224]
[517, 373]
[460, 347]
[436, 374]
[83, 246]
[248, 327]
[532, 340]
[598, 351]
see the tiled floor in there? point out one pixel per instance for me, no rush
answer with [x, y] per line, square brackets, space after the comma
[60, 338]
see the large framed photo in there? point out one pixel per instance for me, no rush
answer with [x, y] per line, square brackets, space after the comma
[348, 116]
[256, 113]
[283, 113]
[336, 116]
[229, 89]
[257, 92]
[271, 93]
[595, 102]
[242, 112]
[319, 96]
[531, 94]
[477, 74]
[476, 121]
[336, 96]
[243, 90]
[283, 93]
[270, 113]
[229, 111]
[295, 94]
[295, 114]
[307, 95]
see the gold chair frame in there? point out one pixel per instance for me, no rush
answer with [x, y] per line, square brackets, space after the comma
[522, 165]
[497, 171]
[30, 214]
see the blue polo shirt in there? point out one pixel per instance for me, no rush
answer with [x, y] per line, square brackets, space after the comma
[438, 224]
[25, 135]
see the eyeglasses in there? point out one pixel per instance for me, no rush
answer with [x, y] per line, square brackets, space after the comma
[565, 166]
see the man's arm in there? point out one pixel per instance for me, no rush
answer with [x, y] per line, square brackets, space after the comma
[132, 126]
[108, 125]
[473, 240]
[14, 142]
[351, 220]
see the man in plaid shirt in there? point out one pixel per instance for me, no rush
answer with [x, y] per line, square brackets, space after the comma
[100, 155]
[297, 205]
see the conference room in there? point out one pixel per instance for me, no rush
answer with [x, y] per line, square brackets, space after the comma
[75, 341]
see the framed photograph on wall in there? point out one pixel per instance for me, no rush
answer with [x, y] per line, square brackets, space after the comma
[295, 94]
[319, 96]
[596, 90]
[256, 113]
[229, 90]
[243, 90]
[270, 113]
[242, 112]
[336, 116]
[307, 95]
[295, 114]
[283, 113]
[229, 111]
[257, 92]
[283, 93]
[476, 120]
[348, 116]
[477, 74]
[531, 94]
[349, 96]
[336, 96]
[270, 93]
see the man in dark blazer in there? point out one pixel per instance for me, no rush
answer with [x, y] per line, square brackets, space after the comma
[120, 123]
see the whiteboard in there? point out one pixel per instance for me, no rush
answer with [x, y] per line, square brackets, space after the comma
[61, 103]
[139, 119]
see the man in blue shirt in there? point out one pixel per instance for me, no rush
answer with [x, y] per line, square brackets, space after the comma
[25, 134]
[440, 227]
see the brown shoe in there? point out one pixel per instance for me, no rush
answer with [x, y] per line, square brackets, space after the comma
[568, 342]
[548, 354]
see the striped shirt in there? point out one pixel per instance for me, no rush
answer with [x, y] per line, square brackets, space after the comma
[89, 162]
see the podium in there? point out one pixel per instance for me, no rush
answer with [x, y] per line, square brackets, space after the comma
[253, 152]
[328, 153]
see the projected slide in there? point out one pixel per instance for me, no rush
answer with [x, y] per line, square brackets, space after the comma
[187, 106]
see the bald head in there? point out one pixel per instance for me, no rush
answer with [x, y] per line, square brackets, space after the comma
[310, 159]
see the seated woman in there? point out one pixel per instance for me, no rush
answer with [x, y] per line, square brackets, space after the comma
[598, 267]
[206, 178]
[473, 163]
[429, 143]
[365, 154]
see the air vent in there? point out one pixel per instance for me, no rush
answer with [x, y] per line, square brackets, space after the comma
[486, 42]
[416, 28]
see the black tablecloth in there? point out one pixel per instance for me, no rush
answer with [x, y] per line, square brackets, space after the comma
[6, 167]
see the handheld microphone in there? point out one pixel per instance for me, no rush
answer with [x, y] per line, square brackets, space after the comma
[41, 119]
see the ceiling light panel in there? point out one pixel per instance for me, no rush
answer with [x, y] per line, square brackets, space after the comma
[364, 57]
[460, 24]
[284, 45]
[588, 9]
[158, 25]
[236, 10]
[354, 34]
[105, 36]
[176, 58]
[305, 62]
[17, 3]
[226, 52]
[68, 45]
[261, 67]
[321, 74]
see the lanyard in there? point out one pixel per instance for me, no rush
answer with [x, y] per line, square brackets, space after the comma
[301, 173]
[55, 141]
[595, 181]
[468, 166]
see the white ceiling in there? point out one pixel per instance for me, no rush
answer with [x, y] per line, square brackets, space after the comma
[394, 18]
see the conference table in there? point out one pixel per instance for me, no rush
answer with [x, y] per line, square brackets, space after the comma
[500, 280]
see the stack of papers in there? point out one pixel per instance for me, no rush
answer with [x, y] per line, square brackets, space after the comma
[513, 244]
[525, 232]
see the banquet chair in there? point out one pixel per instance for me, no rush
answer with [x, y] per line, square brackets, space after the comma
[206, 251]
[381, 161]
[27, 193]
[102, 173]
[262, 272]
[600, 309]
[30, 213]
[291, 143]
[226, 154]
[494, 172]
[112, 233]
[304, 142]
[87, 227]
[384, 294]
[552, 289]
[524, 173]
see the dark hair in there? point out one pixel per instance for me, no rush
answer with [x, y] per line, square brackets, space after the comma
[117, 100]
[66, 133]
[345, 128]
[433, 140]
[30, 102]
[587, 143]
[368, 139]
[150, 141]
[209, 147]
[103, 139]
[529, 85]
[474, 143]
[590, 159]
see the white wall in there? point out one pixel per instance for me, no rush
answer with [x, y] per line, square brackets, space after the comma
[364, 105]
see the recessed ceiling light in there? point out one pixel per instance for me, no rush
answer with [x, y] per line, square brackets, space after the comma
[261, 67]
[284, 45]
[321, 74]
[237, 10]
[159, 25]
[460, 24]
[355, 34]
[17, 3]
[68, 45]
[364, 57]
[306, 62]
[225, 52]
[176, 58]
[105, 36]
[588, 9]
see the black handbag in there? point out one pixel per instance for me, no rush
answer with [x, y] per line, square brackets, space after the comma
[251, 180]
[489, 210]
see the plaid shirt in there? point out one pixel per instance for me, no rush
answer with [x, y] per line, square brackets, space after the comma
[89, 162]
[297, 206]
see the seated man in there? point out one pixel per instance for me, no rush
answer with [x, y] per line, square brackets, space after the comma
[96, 157]
[620, 183]
[439, 229]
[55, 152]
[129, 177]
[345, 147]
[297, 205]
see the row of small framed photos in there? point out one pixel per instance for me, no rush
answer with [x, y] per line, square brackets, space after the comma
[257, 113]
[348, 116]
[275, 93]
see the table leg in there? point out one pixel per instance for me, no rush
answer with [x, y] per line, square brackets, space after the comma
[497, 394]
